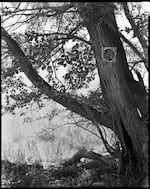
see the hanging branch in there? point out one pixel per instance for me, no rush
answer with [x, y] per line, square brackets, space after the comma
[136, 31]
[109, 148]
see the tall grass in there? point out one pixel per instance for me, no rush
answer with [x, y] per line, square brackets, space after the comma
[65, 143]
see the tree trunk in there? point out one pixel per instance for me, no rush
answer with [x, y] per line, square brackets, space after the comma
[120, 90]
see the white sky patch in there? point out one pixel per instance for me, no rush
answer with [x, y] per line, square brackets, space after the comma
[145, 6]
[10, 24]
[12, 131]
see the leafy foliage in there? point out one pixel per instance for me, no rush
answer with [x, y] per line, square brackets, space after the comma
[86, 173]
[81, 65]
[24, 175]
[47, 52]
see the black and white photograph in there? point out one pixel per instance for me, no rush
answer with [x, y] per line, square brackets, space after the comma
[74, 94]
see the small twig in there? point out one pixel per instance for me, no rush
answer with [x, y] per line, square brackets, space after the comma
[68, 36]
[134, 27]
[136, 31]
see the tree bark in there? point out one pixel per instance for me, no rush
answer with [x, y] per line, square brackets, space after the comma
[84, 153]
[123, 94]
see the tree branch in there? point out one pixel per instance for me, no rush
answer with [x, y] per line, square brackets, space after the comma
[136, 31]
[71, 103]
[132, 47]
[68, 36]
[109, 148]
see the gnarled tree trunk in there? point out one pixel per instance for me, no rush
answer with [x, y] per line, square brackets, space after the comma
[123, 94]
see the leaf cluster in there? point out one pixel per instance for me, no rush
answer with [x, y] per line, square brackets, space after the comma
[81, 66]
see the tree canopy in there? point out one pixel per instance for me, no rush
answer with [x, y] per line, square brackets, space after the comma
[49, 28]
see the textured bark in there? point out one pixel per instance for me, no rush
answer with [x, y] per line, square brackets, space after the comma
[120, 90]
[84, 153]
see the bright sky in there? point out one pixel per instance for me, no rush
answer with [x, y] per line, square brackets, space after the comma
[11, 129]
